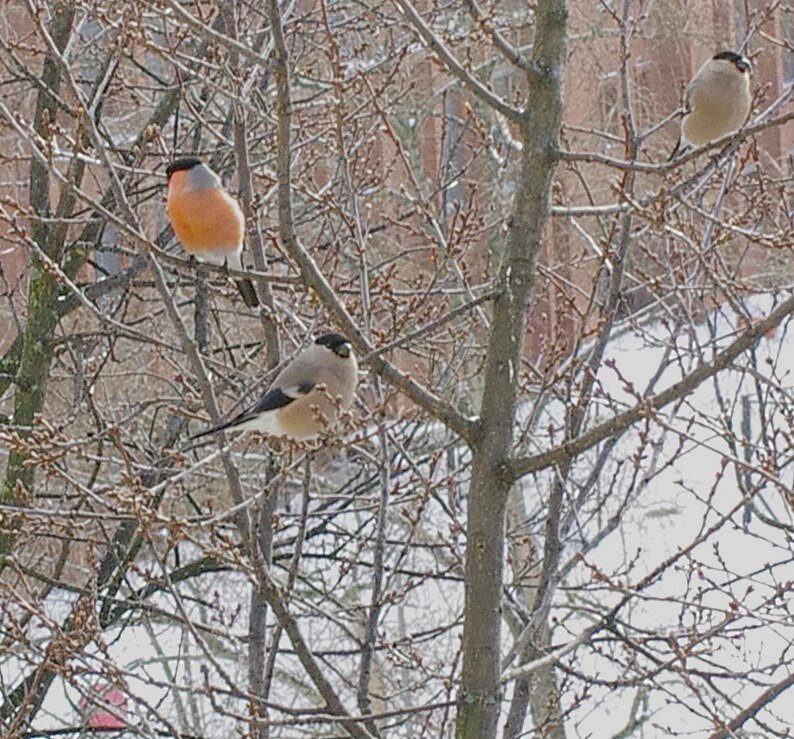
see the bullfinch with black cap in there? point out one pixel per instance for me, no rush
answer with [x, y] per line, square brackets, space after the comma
[717, 101]
[207, 220]
[306, 395]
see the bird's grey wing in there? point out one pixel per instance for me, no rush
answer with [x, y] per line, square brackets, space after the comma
[276, 398]
[693, 92]
[272, 400]
[681, 147]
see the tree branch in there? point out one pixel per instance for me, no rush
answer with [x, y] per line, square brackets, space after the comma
[647, 408]
[664, 167]
[455, 67]
[500, 42]
[315, 279]
[765, 698]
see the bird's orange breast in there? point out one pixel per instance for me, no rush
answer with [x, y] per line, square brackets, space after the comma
[206, 220]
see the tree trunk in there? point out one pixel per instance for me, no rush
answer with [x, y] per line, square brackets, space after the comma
[42, 311]
[480, 693]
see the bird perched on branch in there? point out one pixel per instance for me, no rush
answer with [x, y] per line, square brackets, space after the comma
[305, 396]
[717, 101]
[207, 220]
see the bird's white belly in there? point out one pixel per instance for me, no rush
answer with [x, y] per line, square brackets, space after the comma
[220, 256]
[267, 423]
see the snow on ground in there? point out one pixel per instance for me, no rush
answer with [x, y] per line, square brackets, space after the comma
[679, 500]
[680, 503]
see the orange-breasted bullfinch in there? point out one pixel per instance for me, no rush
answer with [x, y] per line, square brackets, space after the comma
[305, 396]
[717, 101]
[207, 220]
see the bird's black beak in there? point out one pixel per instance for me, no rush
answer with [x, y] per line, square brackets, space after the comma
[343, 350]
[742, 65]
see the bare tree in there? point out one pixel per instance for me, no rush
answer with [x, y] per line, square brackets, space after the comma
[562, 506]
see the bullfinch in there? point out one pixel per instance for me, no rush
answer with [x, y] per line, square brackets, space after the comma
[302, 400]
[717, 101]
[207, 220]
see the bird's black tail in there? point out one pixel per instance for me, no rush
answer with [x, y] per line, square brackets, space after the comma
[680, 149]
[246, 288]
[214, 429]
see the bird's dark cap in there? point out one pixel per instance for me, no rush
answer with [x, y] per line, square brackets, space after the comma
[180, 164]
[731, 56]
[335, 342]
